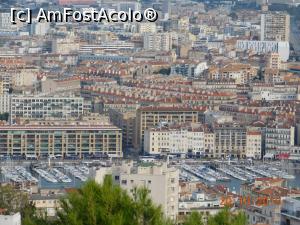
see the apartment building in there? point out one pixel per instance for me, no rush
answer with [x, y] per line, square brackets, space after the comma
[240, 73]
[188, 68]
[166, 9]
[161, 181]
[218, 85]
[43, 107]
[18, 77]
[24, 76]
[273, 76]
[69, 138]
[105, 106]
[158, 41]
[274, 92]
[125, 121]
[47, 201]
[52, 86]
[282, 48]
[290, 211]
[4, 103]
[1, 87]
[198, 197]
[274, 61]
[279, 137]
[5, 24]
[254, 144]
[297, 114]
[40, 29]
[7, 81]
[275, 26]
[182, 140]
[108, 46]
[209, 144]
[266, 197]
[65, 46]
[126, 5]
[147, 28]
[230, 139]
[152, 116]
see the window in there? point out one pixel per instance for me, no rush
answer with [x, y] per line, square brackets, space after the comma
[124, 182]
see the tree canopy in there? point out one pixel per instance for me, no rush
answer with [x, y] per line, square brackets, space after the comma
[108, 204]
[224, 217]
[12, 201]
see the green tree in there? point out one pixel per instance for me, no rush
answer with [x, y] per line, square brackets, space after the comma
[108, 204]
[12, 200]
[225, 217]
[145, 213]
[96, 204]
[194, 218]
[240, 219]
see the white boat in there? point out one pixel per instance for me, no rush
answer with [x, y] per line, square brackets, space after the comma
[79, 174]
[199, 172]
[60, 176]
[232, 174]
[47, 176]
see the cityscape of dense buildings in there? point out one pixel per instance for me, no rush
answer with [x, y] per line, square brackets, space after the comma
[201, 106]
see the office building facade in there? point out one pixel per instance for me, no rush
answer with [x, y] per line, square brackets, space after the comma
[57, 138]
[265, 47]
[43, 107]
[275, 26]
[158, 41]
[149, 117]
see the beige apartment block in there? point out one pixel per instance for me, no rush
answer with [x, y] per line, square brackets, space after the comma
[275, 26]
[148, 117]
[161, 181]
[254, 143]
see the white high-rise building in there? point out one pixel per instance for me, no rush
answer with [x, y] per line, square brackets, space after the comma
[166, 9]
[4, 103]
[162, 182]
[158, 41]
[40, 29]
[174, 141]
[5, 24]
[266, 47]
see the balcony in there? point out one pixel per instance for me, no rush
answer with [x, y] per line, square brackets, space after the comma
[295, 215]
